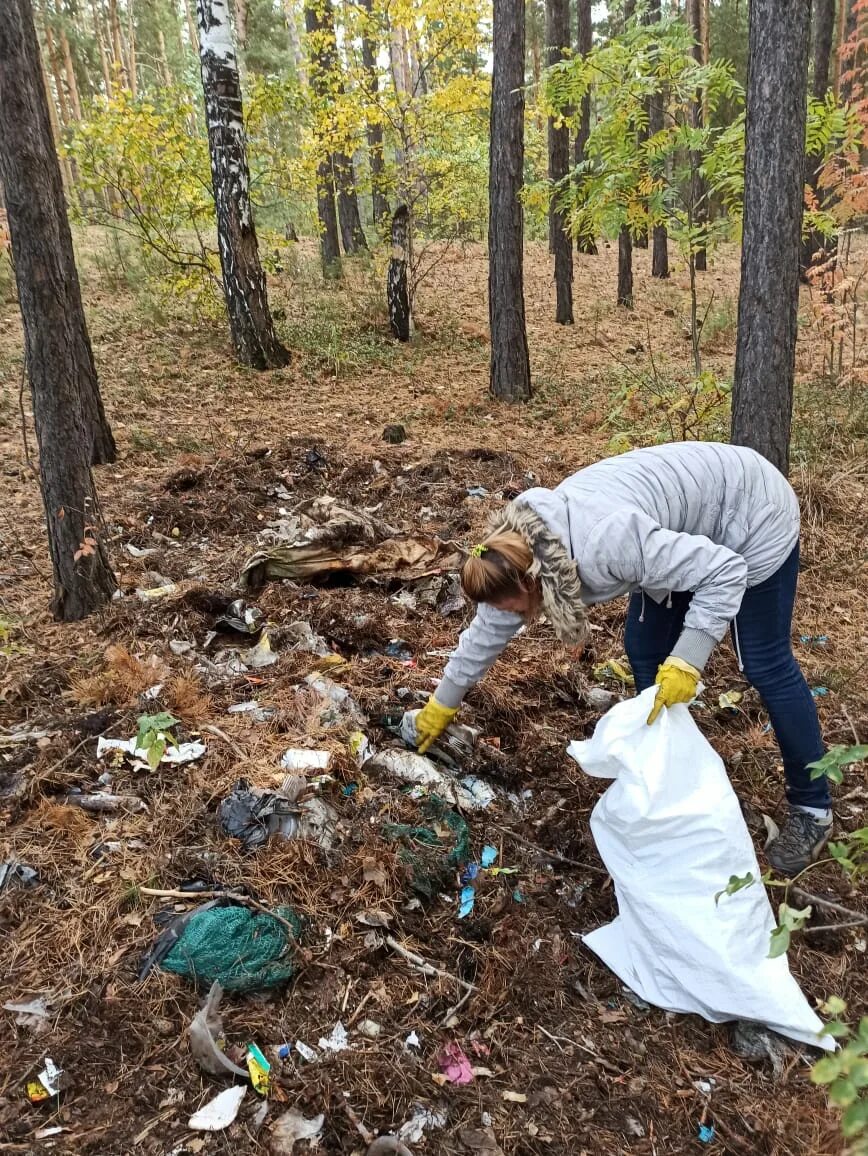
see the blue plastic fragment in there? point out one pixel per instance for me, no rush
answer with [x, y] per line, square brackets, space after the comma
[350, 789]
[468, 898]
[489, 856]
[706, 1133]
[517, 895]
[283, 1051]
[819, 691]
[470, 872]
[814, 639]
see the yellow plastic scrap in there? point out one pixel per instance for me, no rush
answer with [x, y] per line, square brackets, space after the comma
[259, 1069]
[613, 669]
[730, 699]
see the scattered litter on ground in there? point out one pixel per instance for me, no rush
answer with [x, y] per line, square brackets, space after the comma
[475, 794]
[598, 698]
[253, 814]
[410, 767]
[466, 901]
[730, 699]
[173, 754]
[706, 1133]
[370, 1029]
[298, 759]
[260, 655]
[46, 1084]
[412, 1042]
[220, 1112]
[489, 856]
[300, 636]
[241, 618]
[454, 1065]
[359, 746]
[306, 1052]
[398, 649]
[423, 1120]
[814, 639]
[477, 492]
[257, 713]
[35, 1015]
[205, 1035]
[15, 874]
[293, 1126]
[614, 670]
[337, 1041]
[244, 950]
[340, 708]
[432, 852]
[259, 1070]
[102, 803]
[481, 1140]
[819, 691]
[754, 1042]
[514, 1097]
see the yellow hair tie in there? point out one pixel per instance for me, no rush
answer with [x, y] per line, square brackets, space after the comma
[478, 551]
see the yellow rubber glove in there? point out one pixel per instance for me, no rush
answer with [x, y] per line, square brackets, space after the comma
[431, 721]
[677, 681]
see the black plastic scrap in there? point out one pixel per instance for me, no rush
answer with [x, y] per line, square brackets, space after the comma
[253, 816]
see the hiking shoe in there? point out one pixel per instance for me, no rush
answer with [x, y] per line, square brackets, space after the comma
[799, 842]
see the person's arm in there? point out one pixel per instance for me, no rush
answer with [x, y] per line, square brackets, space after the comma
[634, 548]
[479, 646]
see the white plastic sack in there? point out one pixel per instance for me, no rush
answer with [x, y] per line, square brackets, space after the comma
[670, 832]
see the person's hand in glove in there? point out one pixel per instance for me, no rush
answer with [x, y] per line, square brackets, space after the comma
[431, 721]
[676, 682]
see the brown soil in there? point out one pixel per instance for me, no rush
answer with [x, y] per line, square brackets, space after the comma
[203, 446]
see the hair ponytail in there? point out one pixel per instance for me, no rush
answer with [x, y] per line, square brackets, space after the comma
[497, 568]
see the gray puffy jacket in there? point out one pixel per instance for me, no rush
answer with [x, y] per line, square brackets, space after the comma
[700, 516]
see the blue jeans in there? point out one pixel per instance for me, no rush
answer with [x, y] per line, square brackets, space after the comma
[761, 634]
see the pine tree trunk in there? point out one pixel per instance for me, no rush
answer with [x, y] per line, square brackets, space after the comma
[58, 354]
[54, 123]
[374, 129]
[824, 25]
[68, 68]
[53, 64]
[243, 279]
[103, 54]
[698, 188]
[841, 24]
[768, 302]
[659, 237]
[585, 43]
[132, 66]
[625, 268]
[558, 39]
[352, 233]
[118, 62]
[322, 50]
[191, 26]
[165, 71]
[510, 362]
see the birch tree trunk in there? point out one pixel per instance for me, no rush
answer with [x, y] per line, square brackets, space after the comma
[768, 301]
[557, 40]
[58, 354]
[243, 279]
[510, 362]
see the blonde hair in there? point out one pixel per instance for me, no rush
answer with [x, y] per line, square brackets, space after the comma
[498, 567]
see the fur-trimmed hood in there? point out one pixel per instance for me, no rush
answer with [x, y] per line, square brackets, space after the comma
[553, 566]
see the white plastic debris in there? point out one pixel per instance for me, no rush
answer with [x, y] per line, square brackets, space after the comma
[474, 794]
[296, 759]
[337, 1041]
[292, 1126]
[370, 1029]
[412, 1041]
[182, 753]
[220, 1112]
[422, 1120]
[50, 1076]
[306, 1052]
[671, 833]
[34, 1015]
[360, 747]
[410, 767]
[259, 655]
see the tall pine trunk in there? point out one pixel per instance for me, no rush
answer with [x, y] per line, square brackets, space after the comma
[824, 26]
[698, 188]
[119, 66]
[625, 268]
[58, 354]
[250, 320]
[68, 67]
[557, 40]
[768, 302]
[510, 362]
[380, 203]
[659, 238]
[349, 219]
[585, 43]
[294, 41]
[319, 25]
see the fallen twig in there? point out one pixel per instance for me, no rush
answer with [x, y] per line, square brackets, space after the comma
[834, 926]
[426, 968]
[857, 918]
[552, 855]
[218, 733]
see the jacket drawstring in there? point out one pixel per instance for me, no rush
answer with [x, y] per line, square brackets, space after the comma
[642, 611]
[669, 601]
[737, 646]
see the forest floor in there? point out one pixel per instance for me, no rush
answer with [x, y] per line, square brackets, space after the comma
[208, 455]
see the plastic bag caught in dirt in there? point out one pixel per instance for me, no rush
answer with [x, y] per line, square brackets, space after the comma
[253, 815]
[670, 831]
[205, 1034]
[435, 851]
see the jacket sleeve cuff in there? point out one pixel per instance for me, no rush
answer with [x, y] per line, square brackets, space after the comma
[694, 646]
[449, 693]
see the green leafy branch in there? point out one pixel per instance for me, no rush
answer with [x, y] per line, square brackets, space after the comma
[845, 1073]
[155, 736]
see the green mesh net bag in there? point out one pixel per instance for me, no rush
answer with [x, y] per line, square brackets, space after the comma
[433, 853]
[245, 950]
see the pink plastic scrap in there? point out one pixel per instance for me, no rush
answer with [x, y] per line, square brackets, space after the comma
[454, 1065]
